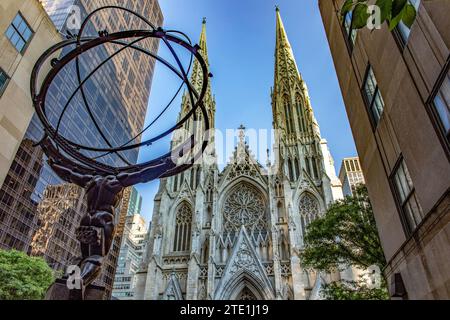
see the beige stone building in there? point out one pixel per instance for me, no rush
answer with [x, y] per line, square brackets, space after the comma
[351, 175]
[396, 88]
[25, 32]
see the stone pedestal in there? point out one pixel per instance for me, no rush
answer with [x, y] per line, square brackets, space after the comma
[59, 291]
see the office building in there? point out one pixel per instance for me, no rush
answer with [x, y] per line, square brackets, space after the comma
[396, 89]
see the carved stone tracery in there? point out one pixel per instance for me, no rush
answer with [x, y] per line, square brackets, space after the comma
[244, 260]
[309, 208]
[245, 206]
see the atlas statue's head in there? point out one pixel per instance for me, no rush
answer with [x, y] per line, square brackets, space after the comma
[90, 158]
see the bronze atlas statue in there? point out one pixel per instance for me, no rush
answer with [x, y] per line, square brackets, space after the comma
[74, 163]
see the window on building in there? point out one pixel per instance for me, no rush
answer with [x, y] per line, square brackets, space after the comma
[192, 182]
[308, 166]
[308, 209]
[347, 165]
[183, 221]
[291, 172]
[175, 183]
[352, 165]
[300, 117]
[279, 187]
[350, 32]
[402, 28]
[297, 168]
[3, 81]
[181, 179]
[374, 100]
[441, 105]
[287, 112]
[406, 196]
[357, 165]
[197, 177]
[315, 170]
[19, 33]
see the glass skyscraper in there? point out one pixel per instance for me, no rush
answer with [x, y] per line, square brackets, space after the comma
[58, 11]
[135, 203]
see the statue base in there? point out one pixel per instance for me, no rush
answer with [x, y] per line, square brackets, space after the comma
[59, 291]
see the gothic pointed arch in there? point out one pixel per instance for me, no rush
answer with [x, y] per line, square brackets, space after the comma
[279, 192]
[306, 184]
[309, 209]
[288, 114]
[183, 226]
[281, 211]
[246, 294]
[300, 108]
[286, 291]
[205, 251]
[173, 289]
[243, 271]
[284, 247]
[317, 288]
[209, 188]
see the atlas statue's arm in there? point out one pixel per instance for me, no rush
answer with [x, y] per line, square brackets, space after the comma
[69, 175]
[144, 175]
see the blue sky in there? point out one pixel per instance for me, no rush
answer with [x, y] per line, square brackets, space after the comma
[241, 44]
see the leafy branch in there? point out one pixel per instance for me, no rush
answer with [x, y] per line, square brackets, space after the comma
[391, 11]
[353, 290]
[346, 235]
[23, 277]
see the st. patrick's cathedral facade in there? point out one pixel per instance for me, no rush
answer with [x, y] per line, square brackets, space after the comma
[237, 233]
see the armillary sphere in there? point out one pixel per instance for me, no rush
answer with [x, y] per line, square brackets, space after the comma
[53, 142]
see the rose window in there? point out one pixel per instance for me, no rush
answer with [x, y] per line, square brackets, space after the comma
[244, 207]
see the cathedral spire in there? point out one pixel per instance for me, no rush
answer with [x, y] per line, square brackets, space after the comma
[292, 112]
[196, 79]
[196, 76]
[202, 41]
[282, 39]
[283, 50]
[290, 99]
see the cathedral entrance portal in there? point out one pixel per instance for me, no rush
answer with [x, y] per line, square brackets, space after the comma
[244, 277]
[246, 294]
[244, 287]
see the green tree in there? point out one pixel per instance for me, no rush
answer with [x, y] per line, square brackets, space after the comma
[392, 11]
[23, 277]
[352, 290]
[346, 235]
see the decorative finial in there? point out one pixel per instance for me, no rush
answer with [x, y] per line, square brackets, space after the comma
[204, 20]
[268, 157]
[277, 8]
[241, 133]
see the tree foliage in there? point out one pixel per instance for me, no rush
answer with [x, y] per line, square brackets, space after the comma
[352, 290]
[392, 11]
[23, 277]
[345, 235]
